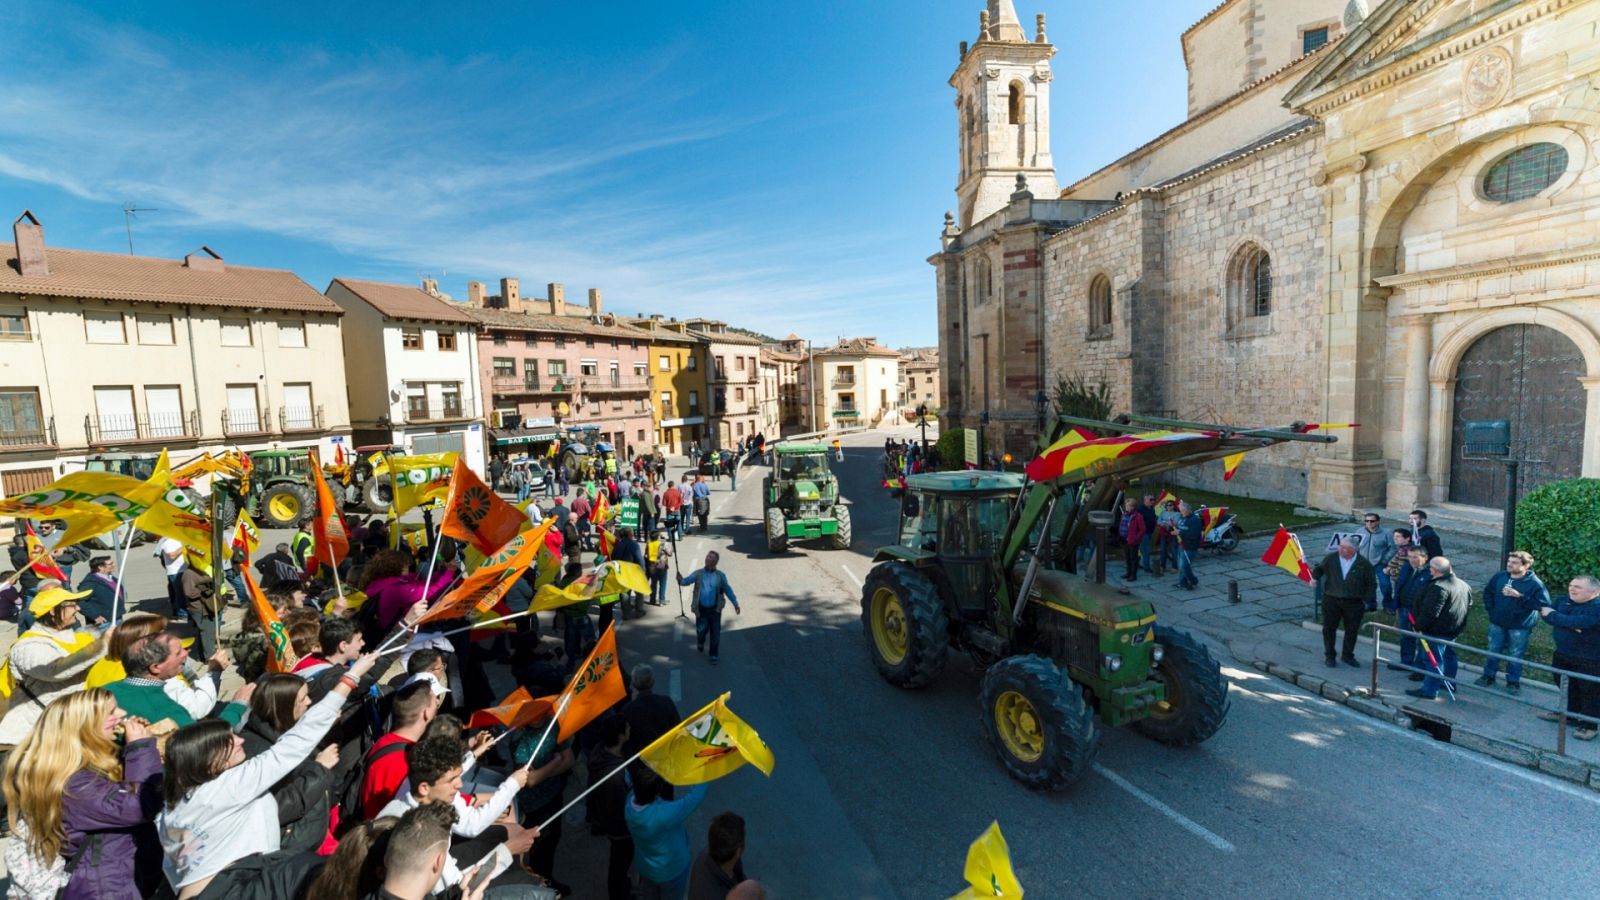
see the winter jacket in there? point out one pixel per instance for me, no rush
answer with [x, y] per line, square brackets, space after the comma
[44, 668]
[398, 593]
[1191, 530]
[711, 588]
[1378, 547]
[1515, 612]
[29, 579]
[150, 701]
[123, 859]
[707, 880]
[1442, 607]
[660, 843]
[1133, 529]
[1361, 584]
[649, 716]
[102, 600]
[1577, 628]
[304, 796]
[605, 803]
[1428, 539]
[1408, 587]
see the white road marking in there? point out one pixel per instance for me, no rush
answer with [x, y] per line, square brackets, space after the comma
[675, 682]
[1183, 821]
[857, 581]
[1528, 775]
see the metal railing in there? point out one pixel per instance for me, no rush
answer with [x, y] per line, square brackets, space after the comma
[524, 385]
[100, 429]
[596, 385]
[40, 435]
[300, 418]
[245, 421]
[1426, 642]
[433, 413]
[840, 381]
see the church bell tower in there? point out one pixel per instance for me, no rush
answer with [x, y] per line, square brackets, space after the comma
[1003, 111]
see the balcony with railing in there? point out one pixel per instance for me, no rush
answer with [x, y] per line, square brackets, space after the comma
[246, 420]
[846, 411]
[299, 418]
[522, 384]
[594, 385]
[844, 381]
[422, 412]
[34, 432]
[129, 429]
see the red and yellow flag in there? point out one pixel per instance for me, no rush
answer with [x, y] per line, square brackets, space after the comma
[475, 514]
[1165, 497]
[706, 746]
[245, 536]
[1318, 426]
[327, 525]
[518, 710]
[1230, 465]
[1078, 452]
[280, 653]
[1286, 553]
[44, 565]
[595, 687]
[606, 541]
[602, 509]
[1211, 517]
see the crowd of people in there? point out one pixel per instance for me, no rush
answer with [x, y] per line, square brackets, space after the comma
[129, 774]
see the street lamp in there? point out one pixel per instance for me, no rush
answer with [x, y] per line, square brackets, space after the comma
[1041, 402]
[983, 427]
[922, 421]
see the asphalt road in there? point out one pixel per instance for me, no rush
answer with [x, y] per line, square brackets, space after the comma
[877, 792]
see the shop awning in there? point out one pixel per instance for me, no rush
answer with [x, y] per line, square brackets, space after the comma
[503, 438]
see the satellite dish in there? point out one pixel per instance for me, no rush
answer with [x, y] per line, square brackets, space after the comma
[562, 408]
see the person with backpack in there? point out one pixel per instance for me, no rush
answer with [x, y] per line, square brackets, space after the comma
[415, 705]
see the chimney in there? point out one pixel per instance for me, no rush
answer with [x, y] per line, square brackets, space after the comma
[558, 299]
[511, 294]
[594, 302]
[29, 235]
[475, 294]
[204, 260]
[430, 286]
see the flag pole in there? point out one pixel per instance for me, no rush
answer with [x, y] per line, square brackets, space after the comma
[433, 555]
[122, 564]
[17, 575]
[386, 649]
[562, 811]
[566, 698]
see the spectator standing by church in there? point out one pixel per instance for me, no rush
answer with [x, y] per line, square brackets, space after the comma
[1377, 547]
[1512, 598]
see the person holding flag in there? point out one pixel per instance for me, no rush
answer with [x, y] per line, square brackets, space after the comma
[1189, 534]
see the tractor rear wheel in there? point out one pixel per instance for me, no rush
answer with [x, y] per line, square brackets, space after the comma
[1038, 721]
[378, 494]
[777, 530]
[283, 505]
[841, 538]
[1197, 694]
[907, 630]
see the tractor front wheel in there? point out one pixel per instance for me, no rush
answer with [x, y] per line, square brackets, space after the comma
[907, 630]
[841, 537]
[284, 505]
[1197, 694]
[1039, 723]
[777, 530]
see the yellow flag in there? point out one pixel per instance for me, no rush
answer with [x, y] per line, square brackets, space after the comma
[989, 868]
[706, 746]
[420, 479]
[171, 512]
[616, 576]
[90, 503]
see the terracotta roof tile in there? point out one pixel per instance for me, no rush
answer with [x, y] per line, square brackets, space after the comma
[113, 276]
[402, 301]
[527, 321]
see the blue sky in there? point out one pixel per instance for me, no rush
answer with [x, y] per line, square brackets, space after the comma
[783, 166]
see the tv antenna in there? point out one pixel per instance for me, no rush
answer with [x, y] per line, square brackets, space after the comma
[129, 213]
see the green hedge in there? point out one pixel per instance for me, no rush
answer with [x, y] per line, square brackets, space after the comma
[953, 448]
[1558, 524]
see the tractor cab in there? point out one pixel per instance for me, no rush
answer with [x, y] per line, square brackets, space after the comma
[956, 520]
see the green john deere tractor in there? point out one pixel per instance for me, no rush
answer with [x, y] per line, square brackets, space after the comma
[280, 490]
[800, 499]
[987, 564]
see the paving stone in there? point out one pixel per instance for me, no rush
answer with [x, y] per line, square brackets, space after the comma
[1260, 665]
[1253, 621]
[1334, 692]
[1564, 767]
[1499, 749]
[1374, 708]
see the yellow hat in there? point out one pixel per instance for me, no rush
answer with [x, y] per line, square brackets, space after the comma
[44, 601]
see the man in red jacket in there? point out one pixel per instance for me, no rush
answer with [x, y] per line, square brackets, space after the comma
[414, 707]
[1132, 531]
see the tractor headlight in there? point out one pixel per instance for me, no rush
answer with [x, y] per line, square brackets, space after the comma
[1156, 652]
[1113, 662]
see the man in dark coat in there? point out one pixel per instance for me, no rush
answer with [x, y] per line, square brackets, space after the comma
[1348, 582]
[649, 715]
[1442, 613]
[105, 596]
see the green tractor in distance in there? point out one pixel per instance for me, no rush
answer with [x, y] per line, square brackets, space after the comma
[280, 490]
[800, 499]
[987, 563]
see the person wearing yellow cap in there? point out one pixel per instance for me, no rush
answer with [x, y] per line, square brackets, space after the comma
[47, 661]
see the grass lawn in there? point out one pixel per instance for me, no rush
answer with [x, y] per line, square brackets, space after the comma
[1255, 516]
[1541, 643]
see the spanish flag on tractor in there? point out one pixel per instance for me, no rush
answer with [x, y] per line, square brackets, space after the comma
[988, 869]
[1286, 553]
[1079, 450]
[706, 746]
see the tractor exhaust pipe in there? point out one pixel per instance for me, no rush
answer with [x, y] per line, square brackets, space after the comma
[1101, 521]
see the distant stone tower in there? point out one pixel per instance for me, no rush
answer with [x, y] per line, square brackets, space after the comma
[1003, 109]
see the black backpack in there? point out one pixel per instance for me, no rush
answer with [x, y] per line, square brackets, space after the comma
[350, 812]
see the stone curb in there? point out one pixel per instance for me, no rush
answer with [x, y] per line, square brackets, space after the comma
[1564, 767]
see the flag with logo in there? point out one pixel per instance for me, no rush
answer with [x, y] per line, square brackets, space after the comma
[595, 687]
[706, 746]
[420, 479]
[988, 869]
[171, 512]
[87, 503]
[477, 515]
[280, 653]
[328, 531]
[44, 564]
[485, 588]
[517, 710]
[1286, 553]
[245, 536]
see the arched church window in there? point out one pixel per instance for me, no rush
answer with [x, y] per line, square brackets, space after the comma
[1017, 112]
[1250, 283]
[1524, 172]
[1100, 307]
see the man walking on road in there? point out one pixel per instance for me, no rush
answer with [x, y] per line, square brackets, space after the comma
[1348, 584]
[701, 492]
[711, 591]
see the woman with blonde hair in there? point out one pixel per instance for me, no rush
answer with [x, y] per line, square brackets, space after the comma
[122, 635]
[66, 785]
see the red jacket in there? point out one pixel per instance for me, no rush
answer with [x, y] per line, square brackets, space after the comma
[384, 775]
[1132, 530]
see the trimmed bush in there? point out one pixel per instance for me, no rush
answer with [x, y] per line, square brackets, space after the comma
[952, 448]
[1556, 522]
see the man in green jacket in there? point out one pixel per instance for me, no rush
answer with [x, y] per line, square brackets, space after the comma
[153, 691]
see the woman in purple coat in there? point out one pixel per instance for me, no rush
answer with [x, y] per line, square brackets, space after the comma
[392, 588]
[89, 807]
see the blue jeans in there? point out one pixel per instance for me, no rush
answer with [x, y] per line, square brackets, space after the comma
[1186, 570]
[1386, 589]
[658, 586]
[1446, 657]
[523, 490]
[1408, 644]
[1169, 553]
[1144, 553]
[1511, 642]
[708, 619]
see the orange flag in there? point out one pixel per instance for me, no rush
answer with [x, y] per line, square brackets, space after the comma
[485, 588]
[595, 688]
[518, 710]
[280, 653]
[1286, 553]
[327, 527]
[476, 514]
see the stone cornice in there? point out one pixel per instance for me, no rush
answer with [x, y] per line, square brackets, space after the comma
[1486, 269]
[1404, 67]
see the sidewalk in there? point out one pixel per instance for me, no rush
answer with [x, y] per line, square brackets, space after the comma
[1270, 629]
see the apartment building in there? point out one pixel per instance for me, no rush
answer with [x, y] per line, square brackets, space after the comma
[857, 384]
[787, 360]
[548, 367]
[919, 367]
[111, 355]
[412, 364]
[679, 363]
[735, 380]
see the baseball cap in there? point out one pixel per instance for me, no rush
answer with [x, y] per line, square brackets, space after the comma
[46, 600]
[439, 690]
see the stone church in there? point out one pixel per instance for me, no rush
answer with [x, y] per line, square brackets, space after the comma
[1377, 211]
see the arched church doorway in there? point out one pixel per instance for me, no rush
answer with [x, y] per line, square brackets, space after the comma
[1528, 375]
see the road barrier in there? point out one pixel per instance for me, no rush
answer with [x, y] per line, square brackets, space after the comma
[1565, 675]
